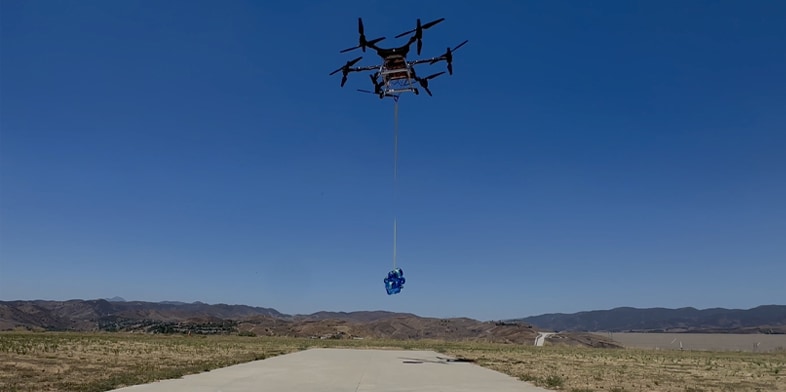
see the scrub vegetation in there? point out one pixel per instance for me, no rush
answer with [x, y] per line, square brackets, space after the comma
[49, 361]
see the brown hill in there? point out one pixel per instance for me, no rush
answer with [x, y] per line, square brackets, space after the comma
[362, 316]
[168, 317]
[91, 315]
[52, 315]
[393, 326]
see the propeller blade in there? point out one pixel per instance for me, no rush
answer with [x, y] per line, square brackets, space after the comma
[432, 23]
[379, 93]
[362, 43]
[346, 66]
[420, 27]
[420, 45]
[418, 30]
[448, 55]
[405, 33]
[374, 41]
[424, 81]
[434, 75]
[377, 85]
[343, 80]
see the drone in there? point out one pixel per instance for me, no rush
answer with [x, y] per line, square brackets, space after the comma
[396, 74]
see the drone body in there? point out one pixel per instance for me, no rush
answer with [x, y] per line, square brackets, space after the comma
[396, 74]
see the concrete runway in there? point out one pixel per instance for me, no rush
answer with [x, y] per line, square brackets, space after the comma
[329, 370]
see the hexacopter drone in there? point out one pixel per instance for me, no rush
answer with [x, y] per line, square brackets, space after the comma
[396, 73]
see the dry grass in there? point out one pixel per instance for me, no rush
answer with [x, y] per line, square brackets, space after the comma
[102, 361]
[586, 370]
[98, 362]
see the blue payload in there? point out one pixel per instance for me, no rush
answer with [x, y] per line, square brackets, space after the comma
[395, 281]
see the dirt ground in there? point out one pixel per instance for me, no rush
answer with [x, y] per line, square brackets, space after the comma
[702, 341]
[92, 362]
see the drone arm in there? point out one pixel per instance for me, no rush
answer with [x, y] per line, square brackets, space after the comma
[431, 60]
[366, 68]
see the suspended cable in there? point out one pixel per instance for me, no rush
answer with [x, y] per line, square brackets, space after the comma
[395, 180]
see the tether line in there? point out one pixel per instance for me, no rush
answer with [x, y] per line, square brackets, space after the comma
[395, 180]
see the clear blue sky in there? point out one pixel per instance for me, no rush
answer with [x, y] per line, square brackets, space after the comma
[582, 156]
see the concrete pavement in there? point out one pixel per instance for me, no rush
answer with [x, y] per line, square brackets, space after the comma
[333, 370]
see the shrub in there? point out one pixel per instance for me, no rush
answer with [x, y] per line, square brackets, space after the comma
[554, 381]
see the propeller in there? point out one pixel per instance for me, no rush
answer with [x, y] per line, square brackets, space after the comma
[362, 42]
[424, 81]
[346, 69]
[381, 94]
[448, 56]
[418, 30]
[377, 85]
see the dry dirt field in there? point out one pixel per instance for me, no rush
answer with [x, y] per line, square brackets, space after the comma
[48, 362]
[702, 341]
[579, 369]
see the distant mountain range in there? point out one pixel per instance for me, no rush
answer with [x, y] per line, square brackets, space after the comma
[118, 314]
[201, 318]
[762, 319]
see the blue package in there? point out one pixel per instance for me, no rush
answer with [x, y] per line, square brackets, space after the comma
[395, 281]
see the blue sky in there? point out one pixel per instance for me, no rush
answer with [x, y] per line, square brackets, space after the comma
[582, 156]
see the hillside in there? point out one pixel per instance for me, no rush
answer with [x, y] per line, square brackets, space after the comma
[762, 319]
[200, 318]
[395, 326]
[98, 314]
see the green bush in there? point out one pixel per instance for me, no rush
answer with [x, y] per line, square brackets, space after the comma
[554, 381]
